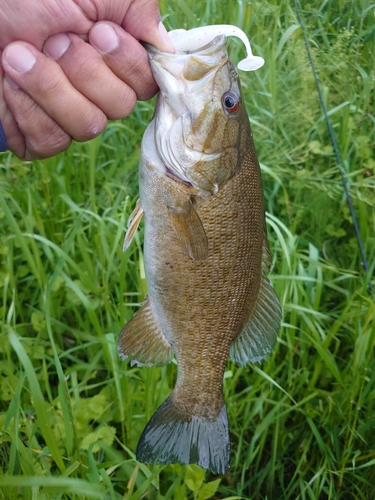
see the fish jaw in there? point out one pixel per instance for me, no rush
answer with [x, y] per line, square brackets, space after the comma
[195, 136]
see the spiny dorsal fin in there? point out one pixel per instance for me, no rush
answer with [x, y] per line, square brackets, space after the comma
[260, 332]
[189, 229]
[142, 339]
[133, 223]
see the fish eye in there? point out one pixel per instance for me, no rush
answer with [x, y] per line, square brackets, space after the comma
[231, 102]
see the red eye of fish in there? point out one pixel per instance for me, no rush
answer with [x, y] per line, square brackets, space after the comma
[231, 102]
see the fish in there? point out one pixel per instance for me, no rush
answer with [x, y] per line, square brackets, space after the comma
[206, 252]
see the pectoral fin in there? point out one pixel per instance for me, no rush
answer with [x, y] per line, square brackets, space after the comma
[142, 339]
[190, 231]
[133, 223]
[260, 332]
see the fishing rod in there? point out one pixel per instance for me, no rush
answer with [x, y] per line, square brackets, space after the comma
[335, 148]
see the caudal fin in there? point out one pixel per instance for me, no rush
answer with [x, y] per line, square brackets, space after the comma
[170, 437]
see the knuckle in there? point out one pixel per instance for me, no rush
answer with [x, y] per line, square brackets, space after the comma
[89, 65]
[92, 126]
[52, 86]
[122, 104]
[144, 94]
[24, 107]
[48, 142]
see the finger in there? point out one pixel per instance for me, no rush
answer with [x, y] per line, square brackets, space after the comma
[89, 74]
[143, 22]
[125, 56]
[31, 133]
[45, 82]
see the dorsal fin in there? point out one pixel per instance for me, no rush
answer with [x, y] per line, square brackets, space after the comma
[133, 223]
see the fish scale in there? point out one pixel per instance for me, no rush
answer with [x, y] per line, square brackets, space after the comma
[206, 255]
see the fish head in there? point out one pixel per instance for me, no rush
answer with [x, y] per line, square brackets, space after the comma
[200, 114]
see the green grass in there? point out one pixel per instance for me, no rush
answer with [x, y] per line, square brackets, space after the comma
[302, 423]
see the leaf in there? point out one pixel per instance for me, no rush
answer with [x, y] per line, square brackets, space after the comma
[208, 489]
[180, 492]
[40, 404]
[190, 484]
[89, 439]
[283, 40]
[8, 387]
[97, 404]
[38, 322]
[105, 434]
[194, 477]
[55, 485]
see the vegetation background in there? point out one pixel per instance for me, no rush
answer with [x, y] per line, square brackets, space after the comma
[303, 422]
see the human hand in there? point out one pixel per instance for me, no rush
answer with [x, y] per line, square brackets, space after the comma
[61, 93]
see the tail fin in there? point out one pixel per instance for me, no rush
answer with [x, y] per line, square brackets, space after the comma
[171, 437]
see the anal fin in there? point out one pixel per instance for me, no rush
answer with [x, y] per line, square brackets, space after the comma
[260, 331]
[142, 339]
[189, 229]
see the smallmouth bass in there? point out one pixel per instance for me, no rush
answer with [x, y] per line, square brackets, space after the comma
[206, 251]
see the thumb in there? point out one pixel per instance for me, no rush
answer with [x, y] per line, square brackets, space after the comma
[143, 22]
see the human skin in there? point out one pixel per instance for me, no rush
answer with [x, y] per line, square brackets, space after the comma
[69, 65]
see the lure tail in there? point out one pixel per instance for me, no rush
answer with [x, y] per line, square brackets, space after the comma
[173, 437]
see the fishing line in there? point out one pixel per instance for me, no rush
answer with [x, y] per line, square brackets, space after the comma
[335, 147]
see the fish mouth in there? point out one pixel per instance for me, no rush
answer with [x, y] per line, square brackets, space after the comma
[189, 45]
[206, 53]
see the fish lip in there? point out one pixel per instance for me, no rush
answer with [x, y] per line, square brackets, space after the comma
[216, 44]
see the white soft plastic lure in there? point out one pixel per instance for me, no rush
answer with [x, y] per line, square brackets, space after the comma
[185, 41]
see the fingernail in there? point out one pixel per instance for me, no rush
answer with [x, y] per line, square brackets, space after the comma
[19, 58]
[168, 45]
[56, 46]
[104, 38]
[11, 83]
